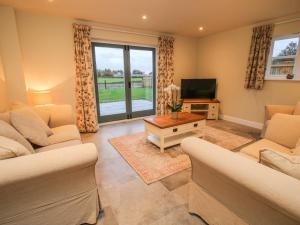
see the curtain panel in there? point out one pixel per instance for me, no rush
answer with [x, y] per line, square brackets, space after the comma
[258, 56]
[165, 74]
[84, 89]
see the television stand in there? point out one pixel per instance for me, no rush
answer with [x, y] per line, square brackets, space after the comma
[207, 107]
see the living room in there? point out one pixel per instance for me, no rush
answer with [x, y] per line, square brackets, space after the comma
[161, 113]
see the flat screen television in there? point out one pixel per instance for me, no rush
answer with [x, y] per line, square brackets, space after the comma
[198, 88]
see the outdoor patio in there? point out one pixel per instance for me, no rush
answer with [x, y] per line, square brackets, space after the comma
[111, 108]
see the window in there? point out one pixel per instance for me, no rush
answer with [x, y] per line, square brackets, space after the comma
[284, 59]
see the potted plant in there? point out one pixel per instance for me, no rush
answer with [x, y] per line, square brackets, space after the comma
[174, 104]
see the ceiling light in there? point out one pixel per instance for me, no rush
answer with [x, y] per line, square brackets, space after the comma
[201, 28]
[50, 0]
[144, 17]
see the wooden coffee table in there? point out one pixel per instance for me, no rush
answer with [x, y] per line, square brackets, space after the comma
[164, 131]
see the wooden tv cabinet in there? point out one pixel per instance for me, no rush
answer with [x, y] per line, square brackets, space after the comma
[206, 107]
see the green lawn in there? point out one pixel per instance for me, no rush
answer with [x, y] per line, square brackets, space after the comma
[112, 80]
[118, 94]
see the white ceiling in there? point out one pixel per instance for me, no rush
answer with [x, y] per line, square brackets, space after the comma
[169, 16]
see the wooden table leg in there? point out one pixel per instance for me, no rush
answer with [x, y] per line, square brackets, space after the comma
[162, 144]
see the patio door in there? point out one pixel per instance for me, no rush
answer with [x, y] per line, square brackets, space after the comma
[125, 81]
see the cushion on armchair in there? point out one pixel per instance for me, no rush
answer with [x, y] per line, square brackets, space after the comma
[281, 162]
[31, 126]
[284, 129]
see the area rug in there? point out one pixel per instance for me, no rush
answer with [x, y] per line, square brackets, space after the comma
[151, 165]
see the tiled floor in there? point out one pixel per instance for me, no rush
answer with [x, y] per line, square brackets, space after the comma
[110, 108]
[126, 199]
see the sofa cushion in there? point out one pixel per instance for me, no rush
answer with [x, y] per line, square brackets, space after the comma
[59, 145]
[281, 162]
[297, 109]
[8, 131]
[64, 133]
[5, 117]
[284, 130]
[254, 149]
[31, 126]
[9, 148]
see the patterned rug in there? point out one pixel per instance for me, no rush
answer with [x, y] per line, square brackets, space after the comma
[151, 165]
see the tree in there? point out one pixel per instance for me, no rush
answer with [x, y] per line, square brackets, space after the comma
[291, 49]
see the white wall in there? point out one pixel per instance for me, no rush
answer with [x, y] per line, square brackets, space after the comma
[48, 58]
[3, 91]
[10, 53]
[224, 56]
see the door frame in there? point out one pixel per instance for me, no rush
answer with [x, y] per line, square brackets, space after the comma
[127, 81]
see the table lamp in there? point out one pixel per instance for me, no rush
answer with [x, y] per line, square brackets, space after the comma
[41, 97]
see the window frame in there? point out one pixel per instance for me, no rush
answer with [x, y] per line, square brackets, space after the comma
[296, 69]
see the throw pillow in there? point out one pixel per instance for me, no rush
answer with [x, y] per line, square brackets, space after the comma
[43, 114]
[8, 131]
[31, 126]
[297, 109]
[281, 162]
[29, 114]
[284, 129]
[10, 148]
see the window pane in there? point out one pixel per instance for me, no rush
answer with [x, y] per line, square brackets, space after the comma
[282, 66]
[285, 47]
[110, 80]
[141, 63]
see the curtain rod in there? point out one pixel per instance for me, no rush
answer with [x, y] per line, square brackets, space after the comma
[124, 31]
[287, 21]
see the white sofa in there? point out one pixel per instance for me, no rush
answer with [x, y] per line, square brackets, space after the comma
[51, 187]
[230, 188]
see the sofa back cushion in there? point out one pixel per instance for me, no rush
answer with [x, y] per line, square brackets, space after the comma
[297, 109]
[31, 126]
[6, 130]
[284, 129]
[10, 148]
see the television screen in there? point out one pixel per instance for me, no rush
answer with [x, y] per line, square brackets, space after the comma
[198, 88]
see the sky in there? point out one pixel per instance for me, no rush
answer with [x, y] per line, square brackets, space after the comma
[112, 58]
[281, 44]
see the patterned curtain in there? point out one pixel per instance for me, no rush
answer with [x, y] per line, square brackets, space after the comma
[165, 71]
[85, 90]
[258, 56]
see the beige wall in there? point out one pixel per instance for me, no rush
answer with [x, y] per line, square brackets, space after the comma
[3, 93]
[47, 50]
[224, 56]
[10, 52]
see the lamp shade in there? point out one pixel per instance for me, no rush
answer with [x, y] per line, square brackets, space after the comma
[41, 97]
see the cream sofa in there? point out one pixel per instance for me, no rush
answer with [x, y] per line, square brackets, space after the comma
[233, 188]
[51, 187]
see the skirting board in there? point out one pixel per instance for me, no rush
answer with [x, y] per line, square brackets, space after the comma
[248, 123]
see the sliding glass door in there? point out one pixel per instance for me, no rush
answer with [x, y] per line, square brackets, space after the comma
[125, 81]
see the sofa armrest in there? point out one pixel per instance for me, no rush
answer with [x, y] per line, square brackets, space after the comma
[41, 180]
[270, 110]
[60, 115]
[268, 186]
[49, 162]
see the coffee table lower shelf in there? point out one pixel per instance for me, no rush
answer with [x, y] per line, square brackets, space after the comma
[170, 141]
